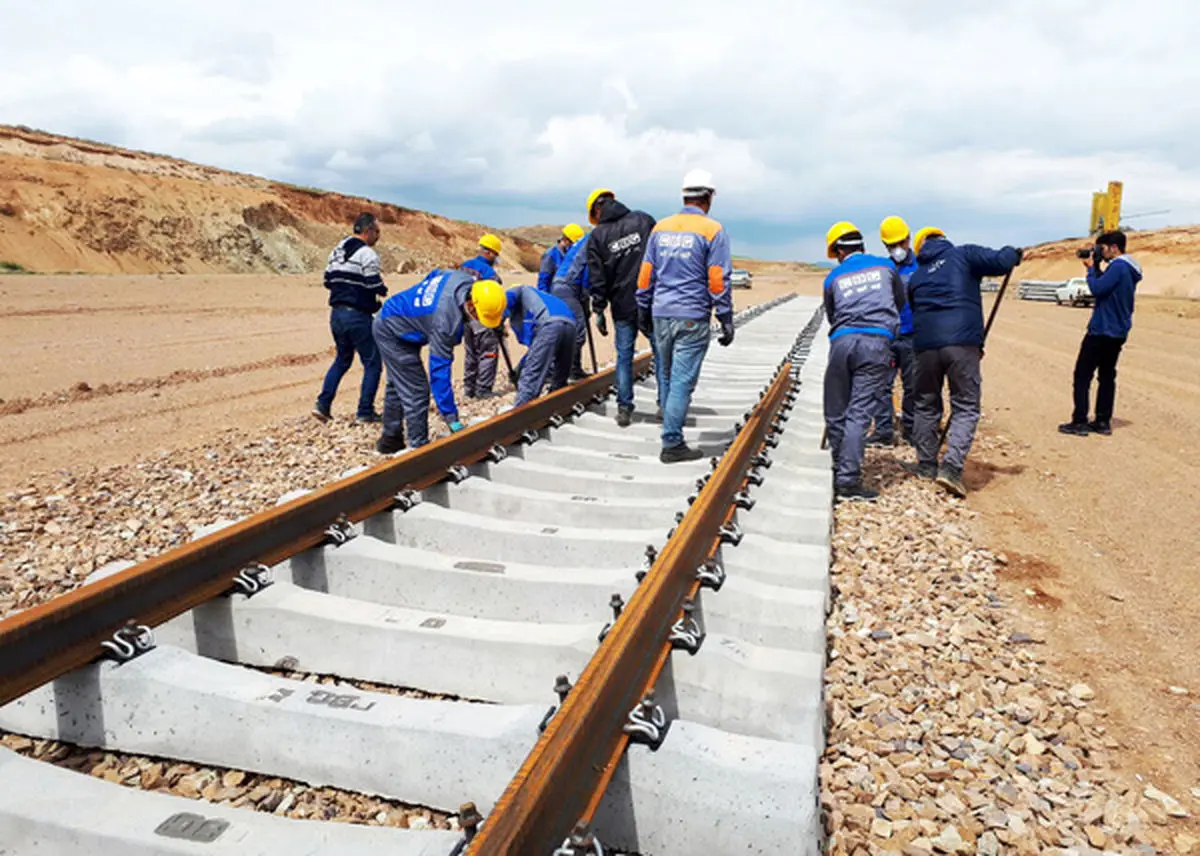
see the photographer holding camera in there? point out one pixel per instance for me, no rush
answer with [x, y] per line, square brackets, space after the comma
[1112, 318]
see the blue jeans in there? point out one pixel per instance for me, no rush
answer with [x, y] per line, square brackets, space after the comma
[351, 330]
[681, 346]
[625, 333]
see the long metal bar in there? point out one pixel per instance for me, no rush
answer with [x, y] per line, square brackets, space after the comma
[572, 762]
[47, 641]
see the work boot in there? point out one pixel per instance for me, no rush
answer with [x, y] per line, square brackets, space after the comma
[923, 471]
[950, 478]
[624, 415]
[679, 453]
[1078, 429]
[1098, 427]
[578, 375]
[386, 445]
[321, 413]
[854, 493]
[368, 419]
[879, 440]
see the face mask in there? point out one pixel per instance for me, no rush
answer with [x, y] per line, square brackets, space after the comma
[898, 254]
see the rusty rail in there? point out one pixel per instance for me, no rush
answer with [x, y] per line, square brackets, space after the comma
[563, 779]
[47, 641]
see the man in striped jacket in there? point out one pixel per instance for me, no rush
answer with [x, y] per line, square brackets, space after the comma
[355, 288]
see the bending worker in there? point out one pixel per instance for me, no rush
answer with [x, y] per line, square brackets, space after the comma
[481, 344]
[546, 327]
[571, 286]
[863, 296]
[614, 257]
[683, 280]
[433, 312]
[553, 257]
[894, 233]
[948, 338]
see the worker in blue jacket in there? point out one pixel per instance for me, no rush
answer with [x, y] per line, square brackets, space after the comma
[683, 282]
[553, 257]
[897, 240]
[947, 309]
[480, 344]
[433, 312]
[862, 296]
[546, 327]
[571, 286]
[1111, 321]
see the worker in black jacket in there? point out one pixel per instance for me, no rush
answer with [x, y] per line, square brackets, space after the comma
[615, 251]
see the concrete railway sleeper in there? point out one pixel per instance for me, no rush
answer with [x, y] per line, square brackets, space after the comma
[485, 585]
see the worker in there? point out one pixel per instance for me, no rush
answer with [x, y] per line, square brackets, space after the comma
[571, 286]
[433, 312]
[1111, 321]
[863, 296]
[948, 340]
[480, 344]
[546, 327]
[683, 280]
[614, 257]
[897, 240]
[355, 288]
[553, 257]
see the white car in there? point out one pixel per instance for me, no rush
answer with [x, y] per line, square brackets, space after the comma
[1074, 292]
[740, 278]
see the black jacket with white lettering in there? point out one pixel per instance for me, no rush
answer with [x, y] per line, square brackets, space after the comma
[615, 251]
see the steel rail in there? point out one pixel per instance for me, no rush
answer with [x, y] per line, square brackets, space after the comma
[47, 641]
[564, 776]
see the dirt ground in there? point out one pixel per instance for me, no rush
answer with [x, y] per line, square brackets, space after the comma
[1103, 531]
[102, 369]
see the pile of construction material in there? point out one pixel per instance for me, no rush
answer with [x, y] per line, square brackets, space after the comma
[1039, 289]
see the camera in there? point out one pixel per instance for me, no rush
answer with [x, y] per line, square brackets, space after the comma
[1096, 254]
[1083, 254]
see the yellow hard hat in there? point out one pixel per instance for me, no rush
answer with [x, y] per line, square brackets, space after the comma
[836, 232]
[591, 203]
[893, 230]
[490, 302]
[922, 234]
[490, 242]
[572, 232]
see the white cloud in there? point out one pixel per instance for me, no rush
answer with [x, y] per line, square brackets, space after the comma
[996, 121]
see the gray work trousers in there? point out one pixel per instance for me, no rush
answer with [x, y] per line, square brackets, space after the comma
[569, 296]
[481, 346]
[958, 365]
[854, 379]
[904, 364]
[549, 354]
[406, 395]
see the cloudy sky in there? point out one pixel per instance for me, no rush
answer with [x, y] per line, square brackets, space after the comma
[995, 120]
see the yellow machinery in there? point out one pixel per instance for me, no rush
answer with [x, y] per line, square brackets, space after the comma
[1106, 209]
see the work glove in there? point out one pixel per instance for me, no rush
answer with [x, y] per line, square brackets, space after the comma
[645, 323]
[601, 324]
[1020, 255]
[456, 426]
[726, 337]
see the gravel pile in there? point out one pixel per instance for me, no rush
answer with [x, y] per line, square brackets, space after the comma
[948, 733]
[231, 787]
[60, 526]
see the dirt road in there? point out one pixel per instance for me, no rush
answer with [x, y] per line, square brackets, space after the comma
[1104, 531]
[102, 369]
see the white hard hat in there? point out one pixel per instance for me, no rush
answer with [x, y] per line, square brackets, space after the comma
[698, 179]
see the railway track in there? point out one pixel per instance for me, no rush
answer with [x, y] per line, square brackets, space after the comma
[528, 580]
